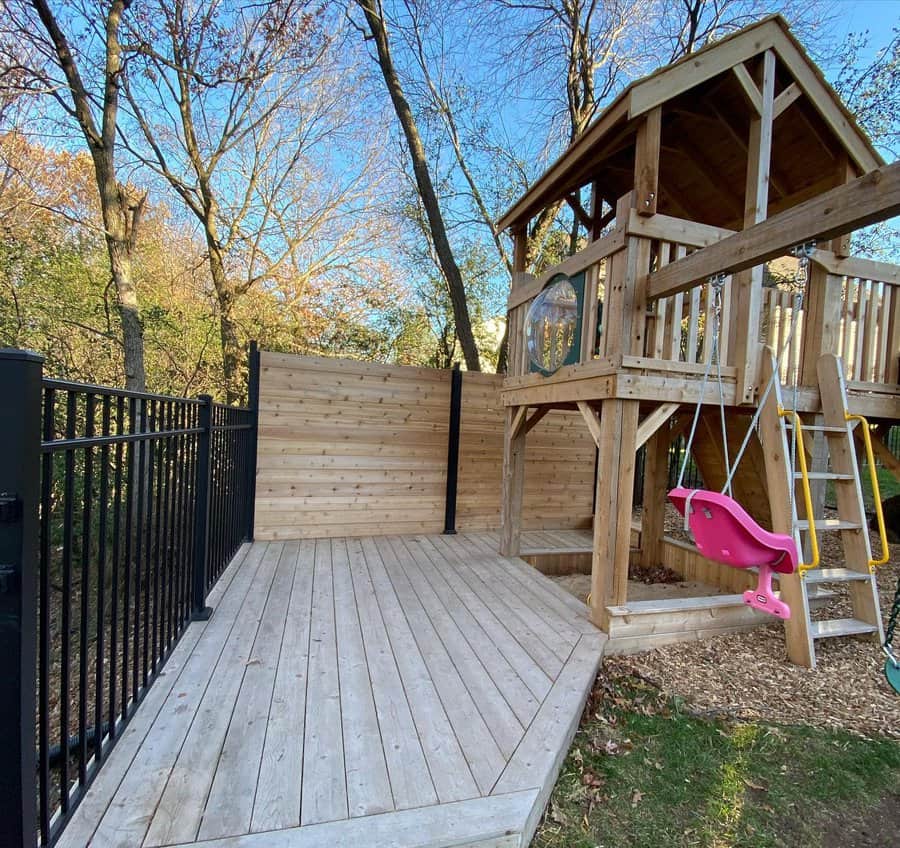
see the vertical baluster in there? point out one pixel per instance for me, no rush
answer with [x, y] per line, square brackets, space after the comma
[66, 600]
[861, 310]
[156, 529]
[116, 556]
[44, 624]
[83, 647]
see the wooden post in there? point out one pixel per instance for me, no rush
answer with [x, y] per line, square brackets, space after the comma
[515, 318]
[747, 286]
[646, 162]
[656, 478]
[612, 519]
[822, 321]
[845, 173]
[779, 482]
[513, 481]
[625, 302]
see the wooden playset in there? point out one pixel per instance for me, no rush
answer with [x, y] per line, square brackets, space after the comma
[670, 320]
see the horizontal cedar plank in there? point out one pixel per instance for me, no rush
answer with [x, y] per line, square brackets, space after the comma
[870, 198]
[304, 364]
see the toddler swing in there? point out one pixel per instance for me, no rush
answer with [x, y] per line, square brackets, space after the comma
[722, 529]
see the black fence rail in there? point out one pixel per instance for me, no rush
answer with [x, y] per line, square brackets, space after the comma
[118, 512]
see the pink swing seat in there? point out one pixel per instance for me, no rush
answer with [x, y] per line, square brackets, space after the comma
[725, 532]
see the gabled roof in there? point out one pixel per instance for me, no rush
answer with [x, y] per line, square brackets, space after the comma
[686, 83]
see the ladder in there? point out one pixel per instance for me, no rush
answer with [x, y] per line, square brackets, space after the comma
[857, 574]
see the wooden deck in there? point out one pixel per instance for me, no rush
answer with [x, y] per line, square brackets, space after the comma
[388, 691]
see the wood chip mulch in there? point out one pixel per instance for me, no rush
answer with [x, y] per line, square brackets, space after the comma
[748, 675]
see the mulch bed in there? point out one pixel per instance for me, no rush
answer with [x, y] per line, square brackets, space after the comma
[748, 675]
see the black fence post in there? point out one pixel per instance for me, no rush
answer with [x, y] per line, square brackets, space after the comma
[199, 610]
[253, 403]
[453, 450]
[20, 457]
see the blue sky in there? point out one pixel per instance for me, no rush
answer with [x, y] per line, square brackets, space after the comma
[879, 17]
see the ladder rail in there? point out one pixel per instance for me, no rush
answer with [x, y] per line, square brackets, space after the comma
[876, 492]
[803, 567]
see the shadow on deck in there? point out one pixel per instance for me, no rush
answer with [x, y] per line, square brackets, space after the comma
[402, 691]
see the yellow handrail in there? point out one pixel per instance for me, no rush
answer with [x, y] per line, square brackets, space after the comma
[803, 567]
[876, 493]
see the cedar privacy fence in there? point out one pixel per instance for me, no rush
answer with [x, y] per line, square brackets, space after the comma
[118, 512]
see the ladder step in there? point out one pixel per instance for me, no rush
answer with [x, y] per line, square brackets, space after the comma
[839, 627]
[829, 524]
[824, 475]
[835, 575]
[818, 428]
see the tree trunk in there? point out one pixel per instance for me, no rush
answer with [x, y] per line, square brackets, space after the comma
[121, 214]
[449, 268]
[129, 316]
[226, 294]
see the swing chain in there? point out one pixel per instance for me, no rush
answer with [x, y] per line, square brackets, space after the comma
[803, 252]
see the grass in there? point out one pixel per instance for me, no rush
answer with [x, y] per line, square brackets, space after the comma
[645, 772]
[888, 486]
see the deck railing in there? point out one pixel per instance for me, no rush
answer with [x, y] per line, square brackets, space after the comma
[120, 512]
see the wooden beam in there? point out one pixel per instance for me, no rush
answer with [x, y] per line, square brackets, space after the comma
[655, 483]
[748, 86]
[545, 189]
[882, 452]
[513, 485]
[845, 172]
[575, 205]
[870, 198]
[535, 419]
[707, 173]
[590, 417]
[612, 521]
[646, 162]
[653, 422]
[822, 322]
[701, 66]
[518, 421]
[678, 230]
[854, 266]
[826, 103]
[776, 181]
[746, 288]
[786, 98]
[779, 482]
[592, 254]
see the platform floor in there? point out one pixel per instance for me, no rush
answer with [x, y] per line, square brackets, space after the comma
[388, 691]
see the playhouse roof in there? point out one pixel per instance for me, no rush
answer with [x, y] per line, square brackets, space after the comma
[707, 101]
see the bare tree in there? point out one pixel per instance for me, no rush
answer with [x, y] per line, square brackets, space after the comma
[376, 27]
[88, 91]
[229, 101]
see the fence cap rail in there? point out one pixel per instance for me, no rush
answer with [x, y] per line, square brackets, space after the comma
[89, 388]
[20, 355]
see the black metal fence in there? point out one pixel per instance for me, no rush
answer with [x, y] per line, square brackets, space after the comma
[118, 512]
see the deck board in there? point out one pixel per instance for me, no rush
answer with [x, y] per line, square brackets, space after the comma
[405, 691]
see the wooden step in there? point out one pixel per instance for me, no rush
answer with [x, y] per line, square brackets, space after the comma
[833, 627]
[829, 524]
[823, 475]
[818, 428]
[836, 575]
